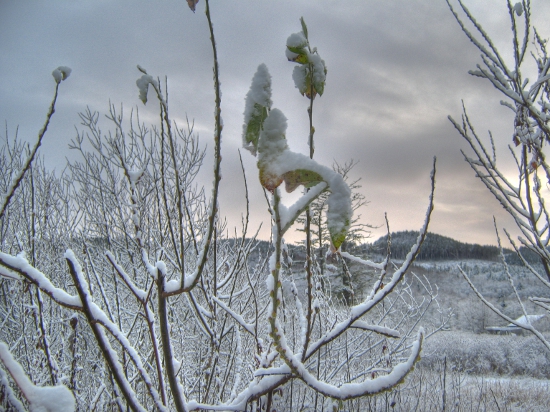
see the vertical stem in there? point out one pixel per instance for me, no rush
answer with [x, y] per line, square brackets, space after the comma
[46, 345]
[15, 184]
[179, 191]
[33, 219]
[275, 271]
[444, 379]
[73, 343]
[40, 319]
[217, 157]
[309, 262]
[269, 401]
[166, 345]
[154, 342]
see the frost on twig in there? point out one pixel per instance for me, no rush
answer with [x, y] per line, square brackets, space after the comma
[522, 194]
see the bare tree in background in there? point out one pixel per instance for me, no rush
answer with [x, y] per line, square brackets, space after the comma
[523, 195]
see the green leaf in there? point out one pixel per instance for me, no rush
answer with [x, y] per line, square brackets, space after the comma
[338, 236]
[310, 92]
[254, 126]
[304, 27]
[319, 87]
[300, 177]
[301, 55]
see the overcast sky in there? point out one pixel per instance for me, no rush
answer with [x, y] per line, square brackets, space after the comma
[396, 70]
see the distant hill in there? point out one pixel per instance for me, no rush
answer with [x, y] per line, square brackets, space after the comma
[436, 247]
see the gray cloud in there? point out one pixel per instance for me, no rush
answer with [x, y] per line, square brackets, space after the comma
[396, 70]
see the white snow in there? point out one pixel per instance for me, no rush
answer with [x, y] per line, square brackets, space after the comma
[140, 293]
[382, 330]
[41, 398]
[319, 68]
[16, 403]
[364, 262]
[296, 40]
[20, 263]
[296, 45]
[523, 320]
[299, 75]
[61, 73]
[351, 390]
[258, 100]
[135, 175]
[101, 317]
[247, 326]
[143, 86]
[290, 214]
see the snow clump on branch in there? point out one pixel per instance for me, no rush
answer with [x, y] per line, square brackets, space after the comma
[61, 73]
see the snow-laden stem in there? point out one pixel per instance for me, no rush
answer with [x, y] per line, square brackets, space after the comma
[10, 266]
[30, 158]
[190, 281]
[275, 266]
[12, 399]
[295, 362]
[167, 345]
[217, 152]
[41, 399]
[309, 249]
[52, 366]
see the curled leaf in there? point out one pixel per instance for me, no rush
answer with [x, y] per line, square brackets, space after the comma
[297, 48]
[278, 164]
[300, 177]
[192, 4]
[269, 180]
[304, 26]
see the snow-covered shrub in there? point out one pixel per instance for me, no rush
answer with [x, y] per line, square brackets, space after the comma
[489, 355]
[150, 306]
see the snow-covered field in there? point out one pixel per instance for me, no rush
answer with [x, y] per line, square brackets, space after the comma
[464, 367]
